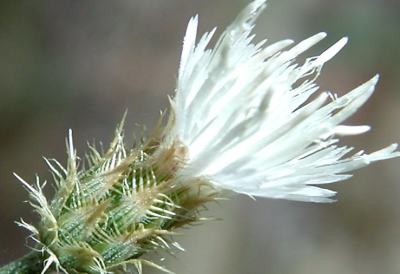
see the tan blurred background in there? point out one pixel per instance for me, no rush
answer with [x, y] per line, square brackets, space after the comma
[81, 64]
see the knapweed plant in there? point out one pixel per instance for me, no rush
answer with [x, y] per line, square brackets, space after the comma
[241, 121]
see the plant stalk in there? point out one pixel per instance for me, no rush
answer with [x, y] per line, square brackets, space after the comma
[32, 263]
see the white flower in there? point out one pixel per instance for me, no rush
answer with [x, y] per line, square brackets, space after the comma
[245, 116]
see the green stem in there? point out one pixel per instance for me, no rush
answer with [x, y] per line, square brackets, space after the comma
[32, 263]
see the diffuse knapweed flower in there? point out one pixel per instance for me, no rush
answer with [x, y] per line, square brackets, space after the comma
[241, 121]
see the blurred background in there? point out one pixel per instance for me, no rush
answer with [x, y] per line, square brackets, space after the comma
[80, 64]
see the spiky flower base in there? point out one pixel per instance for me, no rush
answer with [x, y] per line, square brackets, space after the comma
[125, 204]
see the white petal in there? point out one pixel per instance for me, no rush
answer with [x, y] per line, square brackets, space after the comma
[350, 130]
[331, 52]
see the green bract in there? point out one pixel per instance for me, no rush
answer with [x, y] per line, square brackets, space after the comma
[123, 205]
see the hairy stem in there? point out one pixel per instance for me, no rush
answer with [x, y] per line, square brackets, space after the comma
[31, 263]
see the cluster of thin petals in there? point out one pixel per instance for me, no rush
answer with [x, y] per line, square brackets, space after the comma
[244, 113]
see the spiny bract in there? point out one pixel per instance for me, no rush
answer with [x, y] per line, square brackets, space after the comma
[122, 206]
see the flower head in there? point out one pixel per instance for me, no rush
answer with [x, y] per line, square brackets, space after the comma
[242, 121]
[243, 111]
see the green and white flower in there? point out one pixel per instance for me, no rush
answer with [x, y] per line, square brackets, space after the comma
[242, 120]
